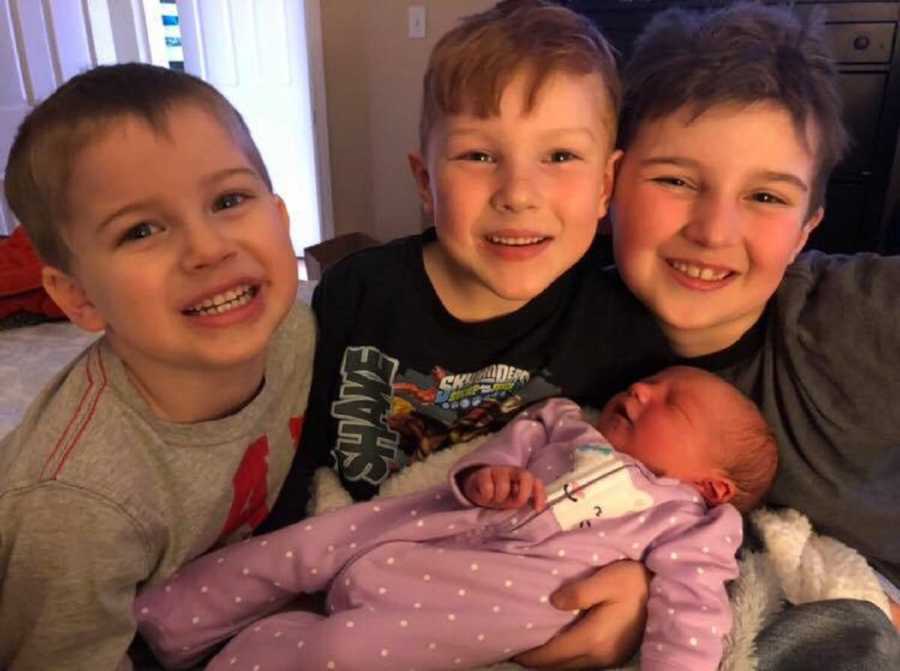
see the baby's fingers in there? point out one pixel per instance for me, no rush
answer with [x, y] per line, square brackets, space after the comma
[502, 485]
[521, 489]
[479, 487]
[539, 495]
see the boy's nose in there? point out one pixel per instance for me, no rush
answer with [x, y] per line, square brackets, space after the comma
[714, 222]
[205, 245]
[516, 191]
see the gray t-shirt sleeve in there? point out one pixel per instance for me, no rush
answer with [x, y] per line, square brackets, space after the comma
[73, 563]
[833, 396]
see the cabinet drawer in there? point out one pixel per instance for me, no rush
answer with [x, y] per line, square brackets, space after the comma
[861, 42]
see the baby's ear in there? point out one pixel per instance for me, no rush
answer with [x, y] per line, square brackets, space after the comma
[68, 294]
[716, 489]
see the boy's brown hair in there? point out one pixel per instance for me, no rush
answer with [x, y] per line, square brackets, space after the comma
[743, 54]
[471, 65]
[53, 134]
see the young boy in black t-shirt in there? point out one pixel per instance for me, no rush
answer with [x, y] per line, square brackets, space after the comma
[436, 338]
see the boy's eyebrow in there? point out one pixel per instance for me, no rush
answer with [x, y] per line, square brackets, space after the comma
[767, 175]
[219, 175]
[790, 178]
[125, 209]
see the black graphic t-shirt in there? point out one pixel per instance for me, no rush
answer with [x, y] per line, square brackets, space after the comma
[397, 377]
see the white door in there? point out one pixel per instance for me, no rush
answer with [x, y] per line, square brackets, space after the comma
[257, 52]
[41, 45]
[264, 55]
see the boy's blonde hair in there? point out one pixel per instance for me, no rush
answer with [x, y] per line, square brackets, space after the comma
[56, 131]
[471, 65]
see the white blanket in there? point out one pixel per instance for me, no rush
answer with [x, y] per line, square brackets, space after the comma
[799, 566]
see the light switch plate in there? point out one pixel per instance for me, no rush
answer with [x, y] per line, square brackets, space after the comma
[417, 22]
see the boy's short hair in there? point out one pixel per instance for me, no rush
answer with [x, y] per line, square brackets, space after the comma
[471, 65]
[53, 134]
[743, 54]
[749, 451]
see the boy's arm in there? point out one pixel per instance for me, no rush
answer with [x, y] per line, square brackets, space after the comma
[70, 564]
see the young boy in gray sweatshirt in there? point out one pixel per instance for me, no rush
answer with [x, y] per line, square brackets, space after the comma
[146, 197]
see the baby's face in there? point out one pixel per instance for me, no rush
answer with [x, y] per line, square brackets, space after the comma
[667, 422]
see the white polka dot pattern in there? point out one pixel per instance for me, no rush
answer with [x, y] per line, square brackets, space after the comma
[406, 569]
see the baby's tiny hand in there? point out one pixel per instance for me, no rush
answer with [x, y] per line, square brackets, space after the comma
[504, 487]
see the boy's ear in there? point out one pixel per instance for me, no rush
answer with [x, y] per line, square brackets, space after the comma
[283, 211]
[716, 489]
[67, 293]
[609, 180]
[808, 227]
[423, 181]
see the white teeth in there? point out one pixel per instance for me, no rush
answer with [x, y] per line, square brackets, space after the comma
[514, 242]
[225, 301]
[699, 272]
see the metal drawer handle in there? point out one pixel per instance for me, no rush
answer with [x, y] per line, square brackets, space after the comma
[861, 43]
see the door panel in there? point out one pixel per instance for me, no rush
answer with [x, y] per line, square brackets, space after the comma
[256, 54]
[37, 52]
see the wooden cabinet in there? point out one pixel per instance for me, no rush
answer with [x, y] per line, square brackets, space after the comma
[863, 202]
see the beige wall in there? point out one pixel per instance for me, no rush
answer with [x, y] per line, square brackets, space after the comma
[373, 74]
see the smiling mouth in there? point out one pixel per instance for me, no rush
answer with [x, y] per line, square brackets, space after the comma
[224, 302]
[697, 272]
[516, 242]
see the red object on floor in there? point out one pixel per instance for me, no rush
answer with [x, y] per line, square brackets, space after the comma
[21, 289]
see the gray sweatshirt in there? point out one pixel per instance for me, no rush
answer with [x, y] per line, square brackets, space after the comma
[99, 497]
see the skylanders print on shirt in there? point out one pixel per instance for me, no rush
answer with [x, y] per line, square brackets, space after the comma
[385, 420]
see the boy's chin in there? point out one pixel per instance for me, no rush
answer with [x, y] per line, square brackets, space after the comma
[519, 294]
[485, 302]
[519, 285]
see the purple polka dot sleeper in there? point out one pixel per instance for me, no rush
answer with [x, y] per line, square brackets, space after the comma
[428, 581]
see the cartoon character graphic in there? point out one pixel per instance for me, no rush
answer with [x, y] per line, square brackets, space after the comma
[386, 419]
[433, 412]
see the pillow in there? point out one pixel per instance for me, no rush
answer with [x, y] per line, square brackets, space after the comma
[21, 289]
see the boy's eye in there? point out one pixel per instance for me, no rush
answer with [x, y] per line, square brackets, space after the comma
[671, 181]
[767, 198]
[561, 156]
[139, 232]
[228, 200]
[477, 156]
